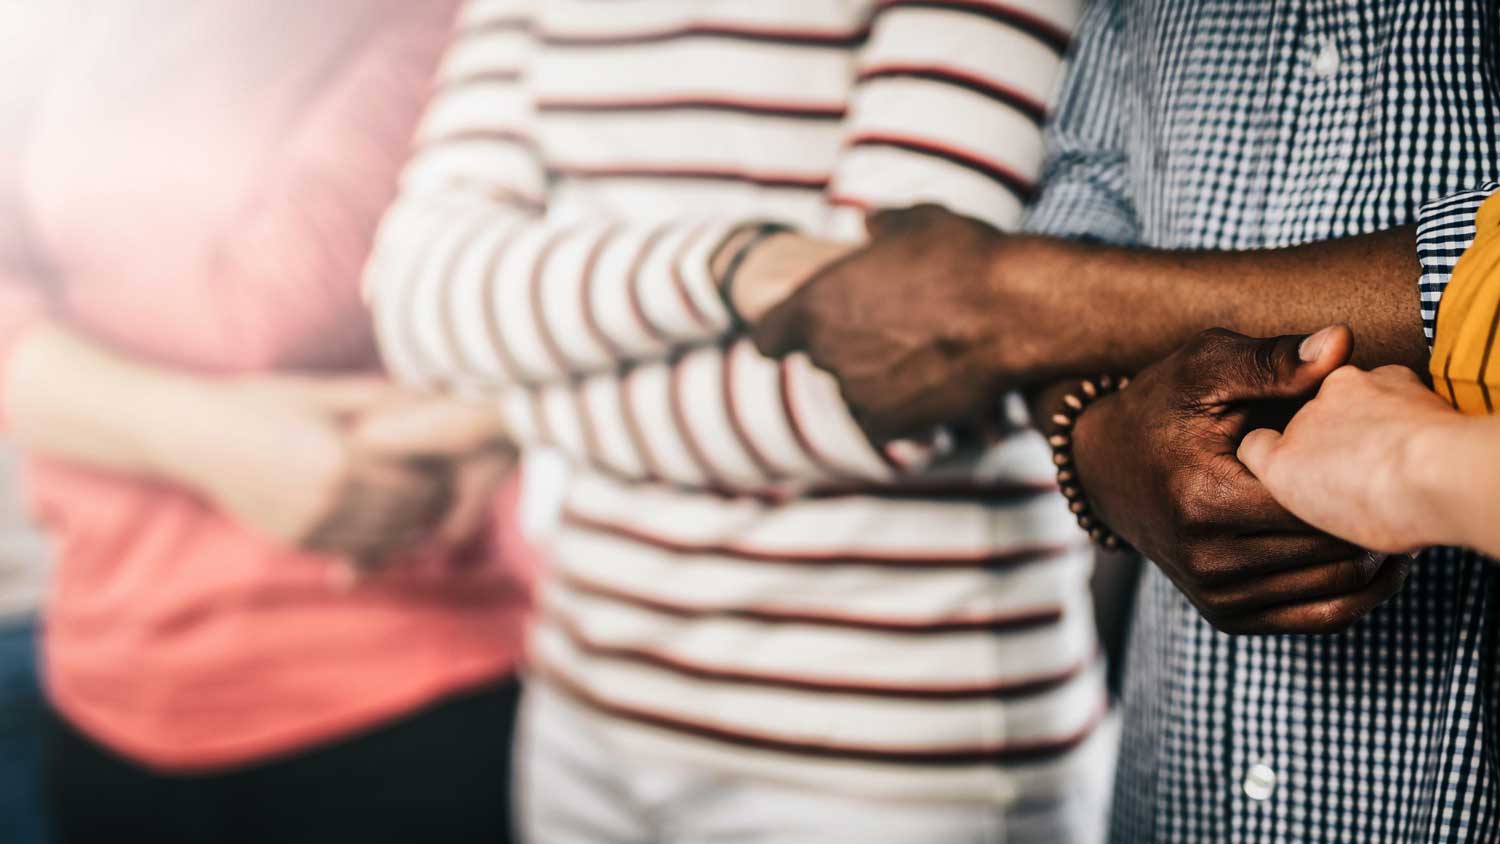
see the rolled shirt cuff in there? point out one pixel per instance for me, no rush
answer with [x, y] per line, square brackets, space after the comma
[1445, 230]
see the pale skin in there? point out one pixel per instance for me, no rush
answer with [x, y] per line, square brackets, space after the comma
[351, 466]
[346, 466]
[1380, 460]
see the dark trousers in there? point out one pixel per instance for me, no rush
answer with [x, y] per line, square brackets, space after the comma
[22, 716]
[440, 775]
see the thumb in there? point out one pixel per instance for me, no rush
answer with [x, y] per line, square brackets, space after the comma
[431, 428]
[1287, 367]
[1257, 449]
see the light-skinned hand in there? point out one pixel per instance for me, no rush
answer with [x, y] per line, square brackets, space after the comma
[1352, 463]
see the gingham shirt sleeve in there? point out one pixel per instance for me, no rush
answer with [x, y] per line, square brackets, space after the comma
[1085, 186]
[1445, 230]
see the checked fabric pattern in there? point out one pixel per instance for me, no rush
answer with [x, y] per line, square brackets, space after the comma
[1218, 124]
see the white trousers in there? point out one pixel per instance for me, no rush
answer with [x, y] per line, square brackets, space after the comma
[571, 790]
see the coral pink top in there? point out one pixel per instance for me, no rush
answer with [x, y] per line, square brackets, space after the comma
[202, 183]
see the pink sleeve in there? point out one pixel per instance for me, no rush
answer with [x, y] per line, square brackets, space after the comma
[25, 68]
[289, 279]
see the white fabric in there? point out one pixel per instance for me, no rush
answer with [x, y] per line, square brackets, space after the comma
[571, 789]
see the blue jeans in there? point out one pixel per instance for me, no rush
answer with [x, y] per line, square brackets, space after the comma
[22, 722]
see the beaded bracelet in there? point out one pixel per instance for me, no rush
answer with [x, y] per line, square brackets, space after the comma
[732, 269]
[1089, 391]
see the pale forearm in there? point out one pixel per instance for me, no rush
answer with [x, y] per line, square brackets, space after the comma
[70, 398]
[1453, 474]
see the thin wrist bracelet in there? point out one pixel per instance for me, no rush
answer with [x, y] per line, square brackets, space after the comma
[762, 232]
[1089, 391]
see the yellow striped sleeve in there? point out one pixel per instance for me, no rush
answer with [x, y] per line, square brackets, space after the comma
[1465, 362]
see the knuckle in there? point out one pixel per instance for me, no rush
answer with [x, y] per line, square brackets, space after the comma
[1204, 566]
[1342, 377]
[1191, 516]
[1331, 619]
[1396, 374]
[1189, 503]
[1207, 342]
[1264, 361]
[1216, 603]
[1359, 572]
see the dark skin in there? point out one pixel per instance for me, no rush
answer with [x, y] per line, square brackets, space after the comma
[940, 313]
[1245, 563]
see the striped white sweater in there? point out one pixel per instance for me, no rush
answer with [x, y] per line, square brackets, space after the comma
[740, 579]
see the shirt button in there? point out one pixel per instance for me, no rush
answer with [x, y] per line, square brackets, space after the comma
[1260, 781]
[1328, 60]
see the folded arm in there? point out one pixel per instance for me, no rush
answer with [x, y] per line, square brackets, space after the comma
[607, 336]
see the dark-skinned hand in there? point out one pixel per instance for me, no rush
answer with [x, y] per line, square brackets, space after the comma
[912, 324]
[1157, 463]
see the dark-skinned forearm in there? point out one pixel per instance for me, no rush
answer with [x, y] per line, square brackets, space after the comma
[1120, 309]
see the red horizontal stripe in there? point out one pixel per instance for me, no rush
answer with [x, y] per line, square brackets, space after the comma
[770, 108]
[1017, 752]
[1000, 623]
[1034, 109]
[1054, 37]
[474, 29]
[494, 135]
[493, 76]
[812, 181]
[1018, 185]
[849, 201]
[909, 559]
[499, 194]
[788, 36]
[1005, 689]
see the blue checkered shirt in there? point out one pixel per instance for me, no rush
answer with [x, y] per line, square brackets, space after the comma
[1243, 124]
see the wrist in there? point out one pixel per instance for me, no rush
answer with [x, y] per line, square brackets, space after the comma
[1067, 440]
[763, 277]
[775, 265]
[723, 254]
